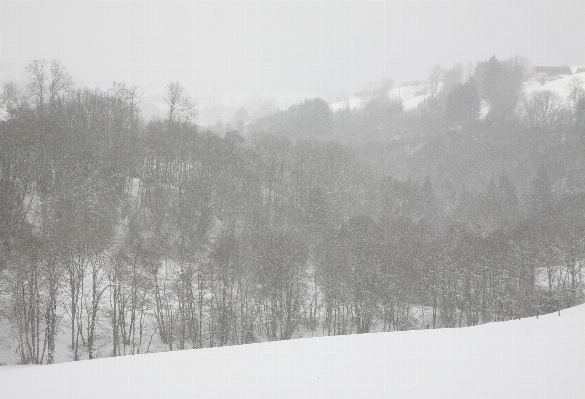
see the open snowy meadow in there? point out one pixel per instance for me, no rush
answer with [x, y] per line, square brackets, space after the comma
[529, 358]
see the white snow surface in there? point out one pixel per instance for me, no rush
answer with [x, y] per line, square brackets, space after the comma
[411, 97]
[413, 103]
[484, 109]
[347, 104]
[530, 358]
[558, 86]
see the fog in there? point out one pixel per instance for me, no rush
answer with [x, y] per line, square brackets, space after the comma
[229, 53]
[195, 175]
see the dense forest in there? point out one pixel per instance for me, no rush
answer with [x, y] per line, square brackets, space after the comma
[116, 231]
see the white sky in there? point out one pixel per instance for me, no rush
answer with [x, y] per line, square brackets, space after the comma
[283, 49]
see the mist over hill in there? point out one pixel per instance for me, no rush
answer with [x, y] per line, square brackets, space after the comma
[123, 235]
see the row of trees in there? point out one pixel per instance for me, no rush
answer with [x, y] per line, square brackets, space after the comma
[453, 99]
[127, 235]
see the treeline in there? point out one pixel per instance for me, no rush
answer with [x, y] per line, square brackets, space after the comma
[118, 232]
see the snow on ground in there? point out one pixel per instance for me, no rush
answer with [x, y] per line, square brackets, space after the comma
[346, 104]
[530, 358]
[484, 109]
[414, 102]
[558, 86]
[411, 97]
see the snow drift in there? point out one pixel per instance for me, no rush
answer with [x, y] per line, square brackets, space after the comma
[530, 358]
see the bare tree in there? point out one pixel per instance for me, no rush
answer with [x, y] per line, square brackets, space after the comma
[376, 89]
[131, 95]
[181, 107]
[575, 89]
[542, 109]
[43, 83]
[12, 97]
[59, 80]
[435, 77]
[37, 80]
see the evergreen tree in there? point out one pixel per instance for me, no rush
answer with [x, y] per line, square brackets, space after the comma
[500, 84]
[463, 103]
[541, 194]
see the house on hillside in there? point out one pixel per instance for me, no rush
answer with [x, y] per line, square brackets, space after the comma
[545, 73]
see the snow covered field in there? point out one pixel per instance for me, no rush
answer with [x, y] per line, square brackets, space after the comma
[558, 86]
[530, 358]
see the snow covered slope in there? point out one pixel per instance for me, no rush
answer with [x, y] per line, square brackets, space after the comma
[351, 104]
[530, 358]
[411, 97]
[558, 86]
[413, 103]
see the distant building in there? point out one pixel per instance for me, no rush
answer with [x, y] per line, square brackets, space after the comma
[545, 73]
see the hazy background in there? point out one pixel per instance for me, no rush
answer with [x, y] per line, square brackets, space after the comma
[228, 54]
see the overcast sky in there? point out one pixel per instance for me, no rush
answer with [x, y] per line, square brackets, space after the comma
[284, 49]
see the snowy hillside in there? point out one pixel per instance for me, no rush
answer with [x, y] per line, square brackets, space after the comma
[558, 86]
[413, 103]
[413, 96]
[351, 104]
[529, 358]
